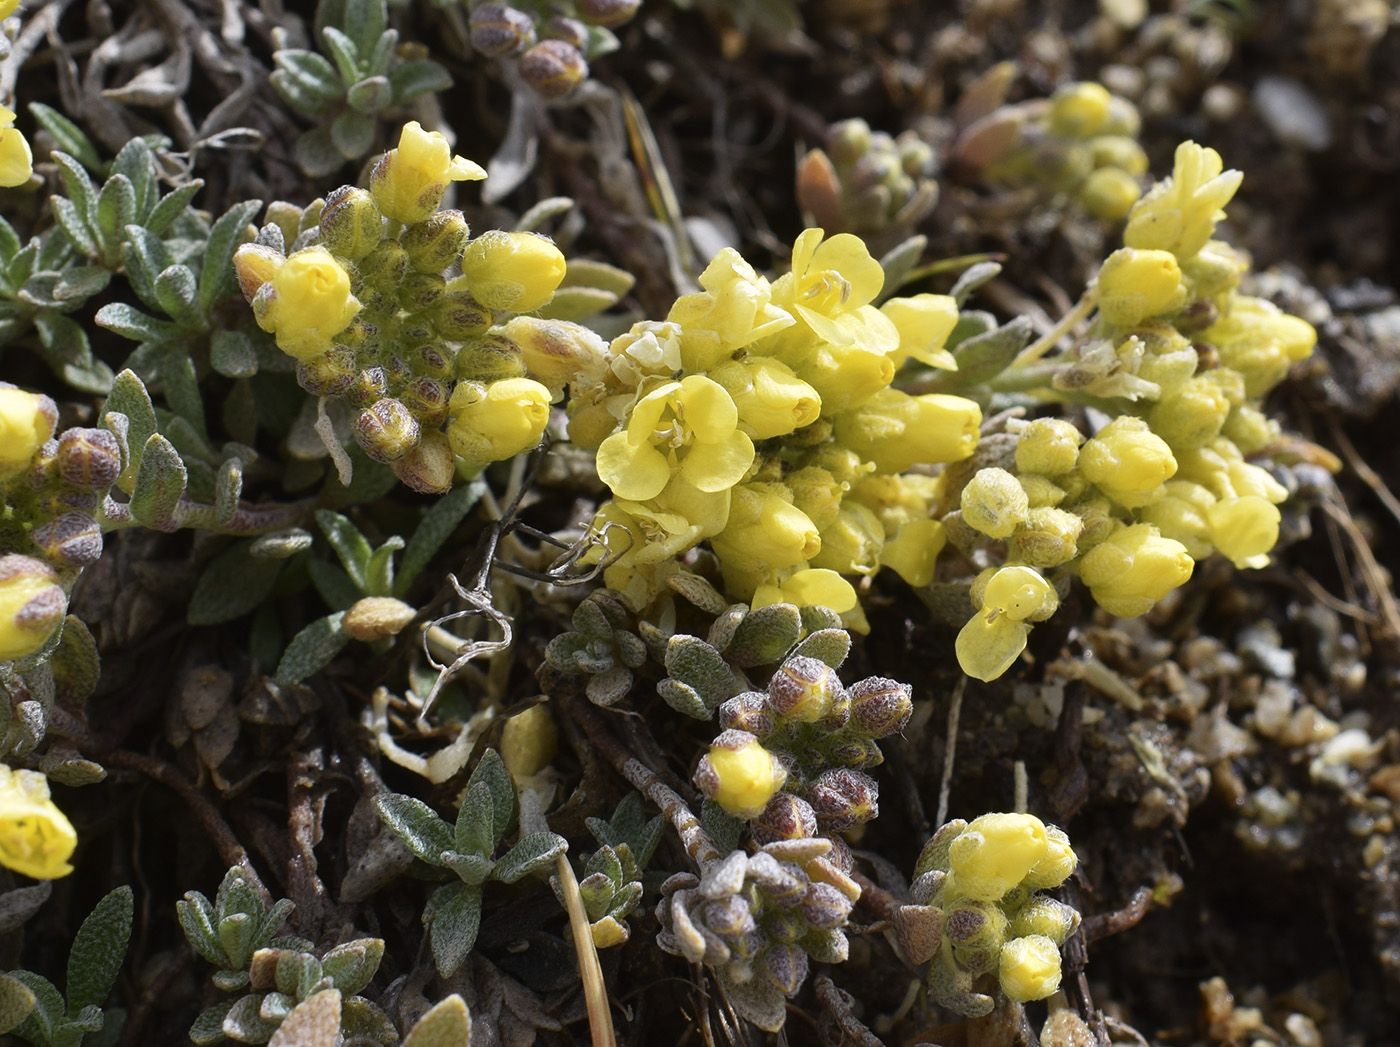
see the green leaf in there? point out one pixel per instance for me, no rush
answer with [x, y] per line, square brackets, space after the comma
[722, 827]
[353, 134]
[417, 825]
[196, 919]
[232, 585]
[454, 924]
[362, 1022]
[228, 489]
[81, 282]
[98, 950]
[216, 277]
[474, 833]
[305, 79]
[317, 154]
[694, 663]
[171, 207]
[350, 545]
[232, 354]
[472, 869]
[764, 635]
[73, 221]
[144, 255]
[351, 966]
[16, 1002]
[333, 584]
[532, 853]
[47, 1015]
[418, 77]
[447, 1024]
[115, 210]
[67, 135]
[76, 184]
[984, 356]
[344, 53]
[245, 1024]
[130, 322]
[177, 291]
[973, 277]
[492, 770]
[182, 389]
[826, 645]
[379, 574]
[209, 1026]
[133, 164]
[366, 98]
[160, 481]
[364, 21]
[312, 649]
[437, 523]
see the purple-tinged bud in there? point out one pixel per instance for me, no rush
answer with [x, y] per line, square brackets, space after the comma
[426, 400]
[610, 13]
[843, 798]
[89, 458]
[970, 922]
[919, 931]
[856, 752]
[430, 467]
[368, 386]
[881, 707]
[499, 29]
[330, 374]
[457, 316]
[31, 605]
[436, 242]
[387, 431]
[255, 266]
[787, 817]
[351, 223]
[435, 363]
[785, 967]
[553, 68]
[824, 907]
[383, 268]
[74, 539]
[803, 689]
[418, 291]
[570, 30]
[491, 358]
[747, 712]
[728, 917]
[786, 926]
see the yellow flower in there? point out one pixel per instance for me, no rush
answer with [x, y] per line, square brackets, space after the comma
[1180, 514]
[515, 271]
[994, 503]
[772, 401]
[1127, 461]
[1029, 968]
[1179, 213]
[895, 430]
[739, 774]
[996, 635]
[408, 182]
[809, 587]
[36, 838]
[1059, 861]
[559, 352]
[16, 161]
[1049, 446]
[994, 854]
[1244, 529]
[7, 8]
[1191, 415]
[845, 376]
[496, 422]
[913, 551]
[688, 429]
[988, 645]
[1131, 570]
[1048, 538]
[734, 310]
[1109, 193]
[27, 422]
[765, 534]
[924, 323]
[1137, 285]
[1260, 341]
[851, 543]
[306, 303]
[31, 605]
[1079, 110]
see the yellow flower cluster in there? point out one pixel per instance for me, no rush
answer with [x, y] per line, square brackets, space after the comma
[1166, 482]
[36, 838]
[760, 416]
[434, 362]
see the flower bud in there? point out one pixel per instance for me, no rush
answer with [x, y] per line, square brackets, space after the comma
[1049, 446]
[553, 68]
[16, 158]
[457, 316]
[36, 838]
[895, 430]
[1029, 968]
[1130, 571]
[375, 617]
[351, 223]
[74, 539]
[995, 852]
[880, 707]
[609, 13]
[570, 30]
[772, 401]
[386, 431]
[1079, 110]
[803, 690]
[1137, 285]
[739, 774]
[89, 458]
[786, 817]
[1047, 917]
[994, 503]
[785, 968]
[418, 291]
[436, 242]
[31, 605]
[490, 358]
[558, 352]
[845, 376]
[972, 922]
[430, 467]
[255, 265]
[824, 907]
[426, 400]
[515, 271]
[499, 29]
[844, 798]
[336, 369]
[495, 422]
[309, 305]
[27, 422]
[1109, 193]
[408, 182]
[1048, 538]
[1180, 514]
[1244, 529]
[748, 712]
[1127, 461]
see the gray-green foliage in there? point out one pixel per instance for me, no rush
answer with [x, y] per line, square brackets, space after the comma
[611, 887]
[359, 76]
[468, 850]
[94, 962]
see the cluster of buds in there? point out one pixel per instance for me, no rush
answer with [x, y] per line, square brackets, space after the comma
[1081, 143]
[551, 50]
[395, 308]
[1185, 359]
[791, 758]
[758, 920]
[976, 909]
[761, 417]
[868, 182]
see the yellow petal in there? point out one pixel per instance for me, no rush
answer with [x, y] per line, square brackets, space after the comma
[16, 161]
[633, 471]
[719, 466]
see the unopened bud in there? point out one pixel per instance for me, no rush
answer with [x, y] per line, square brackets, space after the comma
[255, 266]
[499, 29]
[386, 431]
[383, 269]
[787, 817]
[803, 690]
[512, 270]
[89, 458]
[490, 358]
[74, 539]
[376, 617]
[881, 707]
[27, 422]
[430, 467]
[973, 922]
[31, 605]
[330, 374]
[457, 316]
[351, 223]
[747, 712]
[436, 242]
[570, 30]
[1029, 968]
[418, 291]
[844, 798]
[368, 386]
[785, 968]
[740, 774]
[610, 13]
[1045, 916]
[553, 68]
[994, 503]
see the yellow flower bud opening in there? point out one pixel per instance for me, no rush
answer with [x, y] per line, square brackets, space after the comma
[1244, 529]
[743, 779]
[310, 304]
[1137, 285]
[1130, 571]
[16, 159]
[1029, 968]
[512, 270]
[994, 503]
[31, 605]
[995, 852]
[36, 838]
[496, 422]
[1127, 461]
[408, 182]
[26, 423]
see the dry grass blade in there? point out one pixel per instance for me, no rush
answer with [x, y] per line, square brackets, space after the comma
[595, 990]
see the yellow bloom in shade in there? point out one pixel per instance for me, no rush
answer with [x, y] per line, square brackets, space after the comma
[772, 401]
[36, 838]
[516, 271]
[16, 160]
[734, 310]
[306, 303]
[31, 605]
[27, 422]
[995, 636]
[924, 323]
[809, 587]
[408, 182]
[688, 429]
[496, 422]
[895, 430]
[739, 774]
[1134, 568]
[1029, 968]
[995, 852]
[987, 646]
[1179, 213]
